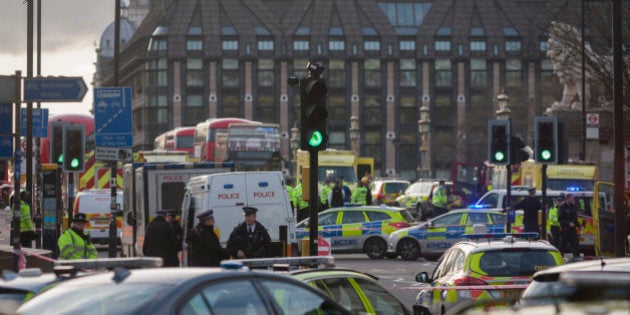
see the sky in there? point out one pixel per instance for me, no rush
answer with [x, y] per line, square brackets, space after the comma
[71, 30]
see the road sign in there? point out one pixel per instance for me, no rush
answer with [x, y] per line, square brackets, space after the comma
[323, 246]
[112, 117]
[6, 131]
[54, 89]
[40, 122]
[113, 154]
[592, 126]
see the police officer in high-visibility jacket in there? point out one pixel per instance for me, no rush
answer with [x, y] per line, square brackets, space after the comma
[27, 231]
[439, 199]
[289, 185]
[323, 194]
[360, 195]
[75, 243]
[301, 205]
[554, 224]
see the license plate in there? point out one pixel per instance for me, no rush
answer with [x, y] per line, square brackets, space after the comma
[510, 294]
[102, 221]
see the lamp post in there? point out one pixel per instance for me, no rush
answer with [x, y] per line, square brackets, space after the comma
[354, 134]
[295, 142]
[424, 128]
[503, 113]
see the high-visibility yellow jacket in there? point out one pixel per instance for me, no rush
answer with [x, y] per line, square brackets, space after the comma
[439, 198]
[74, 246]
[26, 223]
[297, 200]
[553, 216]
[359, 195]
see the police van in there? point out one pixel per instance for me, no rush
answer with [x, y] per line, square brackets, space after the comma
[96, 204]
[227, 193]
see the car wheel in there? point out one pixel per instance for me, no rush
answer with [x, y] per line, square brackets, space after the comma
[375, 248]
[408, 249]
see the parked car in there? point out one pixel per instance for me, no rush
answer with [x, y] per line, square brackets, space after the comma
[416, 198]
[432, 238]
[386, 191]
[484, 269]
[233, 289]
[362, 229]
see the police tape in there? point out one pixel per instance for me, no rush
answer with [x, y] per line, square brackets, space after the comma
[470, 287]
[22, 253]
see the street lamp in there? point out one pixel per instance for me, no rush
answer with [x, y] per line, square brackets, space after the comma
[424, 128]
[295, 141]
[354, 134]
[504, 114]
[504, 111]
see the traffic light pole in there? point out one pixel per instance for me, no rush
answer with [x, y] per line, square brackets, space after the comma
[313, 203]
[508, 181]
[113, 240]
[543, 234]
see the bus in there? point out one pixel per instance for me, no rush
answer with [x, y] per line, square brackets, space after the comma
[210, 141]
[178, 139]
[255, 146]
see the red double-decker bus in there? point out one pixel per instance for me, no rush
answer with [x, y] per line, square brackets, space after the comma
[178, 139]
[211, 138]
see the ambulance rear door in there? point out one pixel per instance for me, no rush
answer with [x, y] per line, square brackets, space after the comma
[604, 218]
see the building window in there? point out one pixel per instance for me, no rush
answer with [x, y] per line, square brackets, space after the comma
[337, 108]
[335, 31]
[300, 45]
[443, 73]
[372, 109]
[478, 45]
[194, 44]
[407, 45]
[299, 68]
[337, 73]
[477, 31]
[157, 44]
[546, 69]
[443, 100]
[443, 45]
[372, 73]
[230, 105]
[407, 72]
[303, 31]
[157, 71]
[194, 72]
[265, 45]
[372, 45]
[408, 113]
[544, 46]
[513, 70]
[229, 45]
[265, 72]
[158, 109]
[373, 144]
[228, 31]
[513, 45]
[230, 72]
[336, 45]
[405, 14]
[264, 108]
[478, 73]
[195, 111]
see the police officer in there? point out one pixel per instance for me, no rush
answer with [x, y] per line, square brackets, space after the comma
[289, 185]
[161, 239]
[75, 243]
[439, 199]
[301, 205]
[249, 239]
[360, 195]
[567, 215]
[323, 194]
[27, 231]
[554, 224]
[335, 197]
[530, 206]
[205, 248]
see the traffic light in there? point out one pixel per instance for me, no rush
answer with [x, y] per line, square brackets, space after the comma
[314, 114]
[56, 142]
[74, 148]
[498, 150]
[546, 140]
[518, 154]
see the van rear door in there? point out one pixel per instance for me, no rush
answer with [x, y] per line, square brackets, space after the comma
[227, 198]
[267, 192]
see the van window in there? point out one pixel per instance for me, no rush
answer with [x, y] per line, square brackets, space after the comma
[490, 200]
[172, 195]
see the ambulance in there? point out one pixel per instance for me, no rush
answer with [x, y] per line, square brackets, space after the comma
[227, 193]
[150, 187]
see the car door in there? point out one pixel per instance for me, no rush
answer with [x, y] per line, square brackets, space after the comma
[443, 232]
[330, 229]
[351, 230]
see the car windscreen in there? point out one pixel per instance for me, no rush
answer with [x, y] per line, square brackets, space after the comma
[395, 187]
[513, 261]
[86, 299]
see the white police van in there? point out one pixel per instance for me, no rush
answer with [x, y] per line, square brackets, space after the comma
[96, 204]
[227, 193]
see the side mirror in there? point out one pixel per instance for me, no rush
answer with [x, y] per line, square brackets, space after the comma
[423, 277]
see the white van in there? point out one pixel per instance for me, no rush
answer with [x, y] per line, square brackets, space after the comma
[95, 203]
[227, 193]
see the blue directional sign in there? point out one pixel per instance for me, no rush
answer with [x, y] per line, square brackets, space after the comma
[54, 89]
[6, 129]
[40, 123]
[112, 117]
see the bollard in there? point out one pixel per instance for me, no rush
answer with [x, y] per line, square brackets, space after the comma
[306, 247]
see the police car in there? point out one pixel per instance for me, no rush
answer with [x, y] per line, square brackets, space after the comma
[432, 238]
[486, 267]
[362, 229]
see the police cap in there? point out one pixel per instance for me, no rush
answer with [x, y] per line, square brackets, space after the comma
[206, 215]
[249, 210]
[531, 190]
[79, 217]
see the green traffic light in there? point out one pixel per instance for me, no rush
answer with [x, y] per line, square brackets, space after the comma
[499, 156]
[74, 163]
[316, 139]
[60, 159]
[545, 155]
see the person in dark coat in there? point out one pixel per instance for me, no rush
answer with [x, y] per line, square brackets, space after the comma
[161, 239]
[249, 239]
[568, 218]
[335, 198]
[205, 248]
[530, 206]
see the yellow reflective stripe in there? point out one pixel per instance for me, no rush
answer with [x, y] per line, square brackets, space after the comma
[351, 229]
[451, 296]
[437, 230]
[364, 299]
